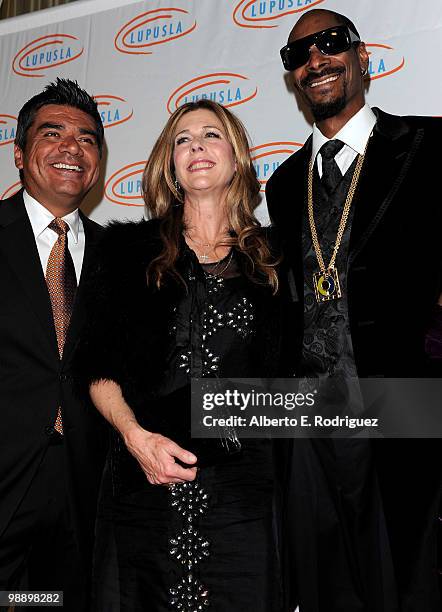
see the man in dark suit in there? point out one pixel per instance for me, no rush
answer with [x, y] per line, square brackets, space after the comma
[361, 231]
[51, 452]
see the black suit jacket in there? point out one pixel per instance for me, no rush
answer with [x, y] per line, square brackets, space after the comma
[33, 380]
[394, 281]
[394, 277]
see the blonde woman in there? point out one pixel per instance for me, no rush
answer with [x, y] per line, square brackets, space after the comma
[191, 293]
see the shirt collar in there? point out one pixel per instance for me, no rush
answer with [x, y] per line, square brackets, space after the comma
[354, 134]
[40, 217]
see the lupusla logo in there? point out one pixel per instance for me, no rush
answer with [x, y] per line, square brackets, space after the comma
[227, 88]
[113, 110]
[48, 51]
[140, 34]
[8, 127]
[264, 13]
[11, 190]
[267, 157]
[383, 61]
[124, 186]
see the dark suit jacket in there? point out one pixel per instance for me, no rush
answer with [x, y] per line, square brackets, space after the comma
[394, 280]
[33, 380]
[395, 256]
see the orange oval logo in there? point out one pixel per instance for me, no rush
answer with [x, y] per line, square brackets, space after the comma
[383, 61]
[113, 110]
[46, 52]
[227, 88]
[8, 127]
[267, 157]
[11, 190]
[124, 186]
[151, 28]
[264, 13]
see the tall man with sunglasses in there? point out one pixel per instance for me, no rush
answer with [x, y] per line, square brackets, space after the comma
[361, 231]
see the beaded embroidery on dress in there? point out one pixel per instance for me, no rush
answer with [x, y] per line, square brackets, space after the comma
[222, 309]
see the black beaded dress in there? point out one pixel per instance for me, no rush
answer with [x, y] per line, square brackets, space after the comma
[210, 544]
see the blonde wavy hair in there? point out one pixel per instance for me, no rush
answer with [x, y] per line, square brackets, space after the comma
[164, 198]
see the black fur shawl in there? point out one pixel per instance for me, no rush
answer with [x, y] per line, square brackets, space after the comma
[129, 323]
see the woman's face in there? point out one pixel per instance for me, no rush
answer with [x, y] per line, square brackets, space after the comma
[203, 157]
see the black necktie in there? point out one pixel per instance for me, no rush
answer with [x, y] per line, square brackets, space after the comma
[331, 175]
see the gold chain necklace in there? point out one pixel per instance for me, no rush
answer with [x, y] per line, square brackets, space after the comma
[205, 256]
[216, 272]
[326, 281]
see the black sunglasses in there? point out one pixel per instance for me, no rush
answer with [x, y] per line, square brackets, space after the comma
[329, 42]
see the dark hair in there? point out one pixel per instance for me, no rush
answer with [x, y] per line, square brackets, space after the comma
[343, 20]
[63, 92]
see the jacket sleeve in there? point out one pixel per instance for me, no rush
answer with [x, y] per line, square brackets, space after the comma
[272, 199]
[104, 342]
[279, 192]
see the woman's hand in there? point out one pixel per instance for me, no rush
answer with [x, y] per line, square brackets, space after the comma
[156, 455]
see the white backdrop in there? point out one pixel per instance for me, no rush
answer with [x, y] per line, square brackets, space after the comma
[142, 59]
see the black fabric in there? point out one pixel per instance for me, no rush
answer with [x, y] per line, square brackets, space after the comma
[105, 583]
[337, 551]
[327, 346]
[395, 217]
[216, 314]
[39, 549]
[34, 381]
[433, 343]
[241, 572]
[331, 174]
[150, 342]
[386, 219]
[361, 557]
[124, 339]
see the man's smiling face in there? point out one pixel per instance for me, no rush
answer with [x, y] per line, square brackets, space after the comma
[60, 161]
[330, 84]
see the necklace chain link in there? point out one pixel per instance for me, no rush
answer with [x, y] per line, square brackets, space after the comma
[326, 281]
[344, 217]
[205, 255]
[215, 273]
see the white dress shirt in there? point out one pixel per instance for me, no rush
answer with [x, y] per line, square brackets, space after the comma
[354, 135]
[45, 238]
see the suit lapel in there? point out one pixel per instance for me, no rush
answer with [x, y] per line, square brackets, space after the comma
[17, 244]
[389, 155]
[299, 188]
[79, 311]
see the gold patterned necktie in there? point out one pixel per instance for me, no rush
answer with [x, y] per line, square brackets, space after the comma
[62, 283]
